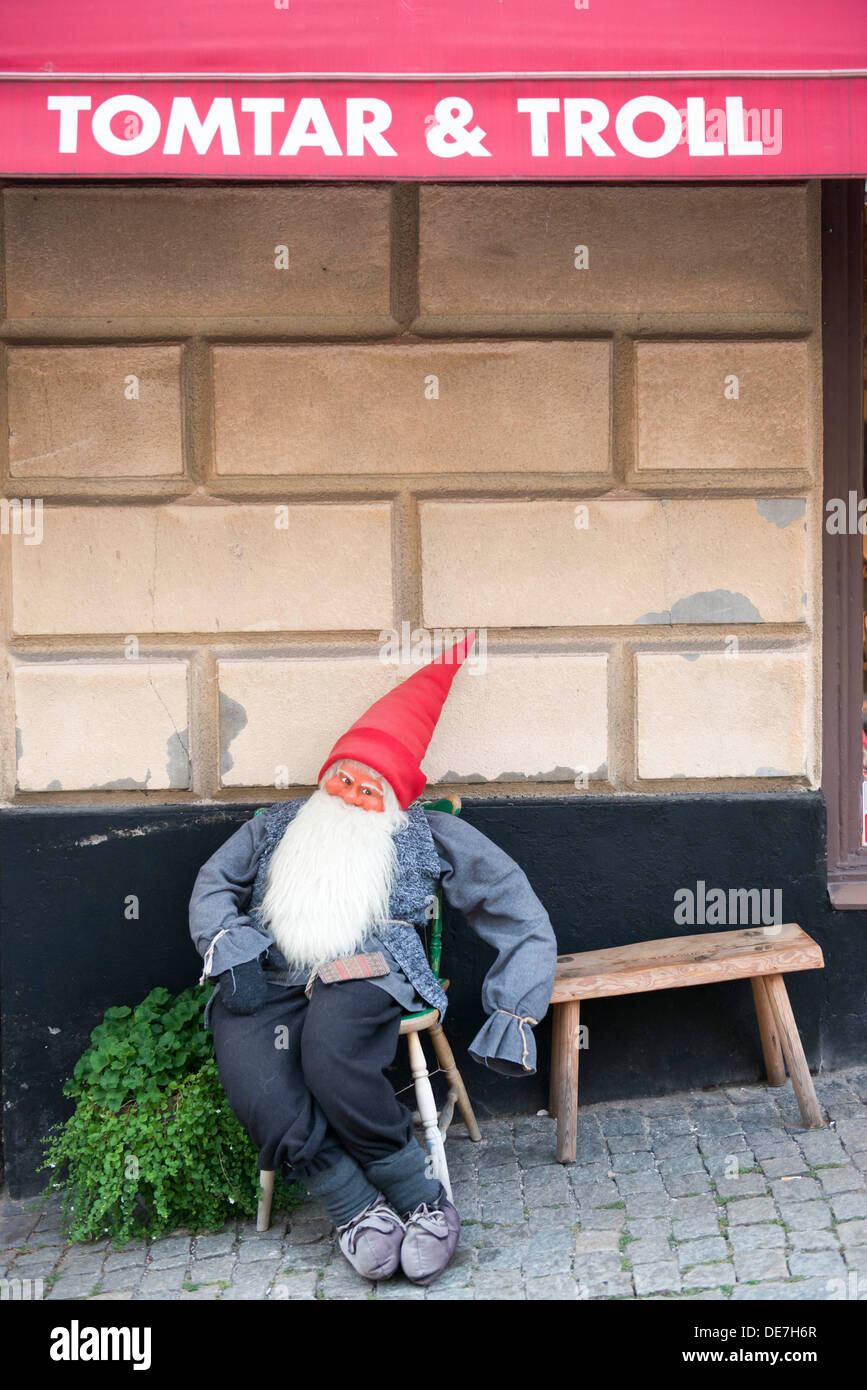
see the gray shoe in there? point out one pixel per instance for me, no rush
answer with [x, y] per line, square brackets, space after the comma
[372, 1240]
[431, 1239]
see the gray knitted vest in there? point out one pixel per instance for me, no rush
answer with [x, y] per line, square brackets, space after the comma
[411, 897]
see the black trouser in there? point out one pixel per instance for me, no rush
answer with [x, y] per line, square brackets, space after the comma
[305, 1080]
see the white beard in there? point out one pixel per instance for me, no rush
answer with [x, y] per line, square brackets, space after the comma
[330, 879]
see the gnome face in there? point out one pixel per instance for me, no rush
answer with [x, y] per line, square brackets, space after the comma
[330, 877]
[356, 786]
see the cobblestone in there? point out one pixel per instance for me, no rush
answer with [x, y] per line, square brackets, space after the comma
[662, 1277]
[596, 1242]
[763, 1237]
[699, 1252]
[853, 1232]
[849, 1205]
[213, 1269]
[706, 1224]
[813, 1240]
[805, 1216]
[704, 1196]
[844, 1179]
[827, 1263]
[649, 1250]
[711, 1276]
[760, 1264]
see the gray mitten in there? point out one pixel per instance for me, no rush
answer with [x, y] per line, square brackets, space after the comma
[244, 989]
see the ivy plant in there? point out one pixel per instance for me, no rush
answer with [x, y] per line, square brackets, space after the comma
[153, 1144]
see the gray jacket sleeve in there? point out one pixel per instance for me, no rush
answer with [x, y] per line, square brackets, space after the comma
[493, 893]
[219, 924]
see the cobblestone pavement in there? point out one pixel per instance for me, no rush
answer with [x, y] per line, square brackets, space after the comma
[718, 1194]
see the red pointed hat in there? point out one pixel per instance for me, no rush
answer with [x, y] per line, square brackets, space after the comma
[393, 735]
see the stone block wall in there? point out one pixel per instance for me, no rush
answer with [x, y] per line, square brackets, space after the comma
[253, 430]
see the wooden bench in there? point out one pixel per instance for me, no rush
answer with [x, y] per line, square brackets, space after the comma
[758, 954]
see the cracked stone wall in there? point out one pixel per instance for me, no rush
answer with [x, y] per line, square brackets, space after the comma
[256, 433]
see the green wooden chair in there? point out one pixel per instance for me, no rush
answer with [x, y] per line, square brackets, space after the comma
[411, 1025]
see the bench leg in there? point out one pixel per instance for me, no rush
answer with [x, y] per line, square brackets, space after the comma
[773, 1053]
[793, 1051]
[566, 1067]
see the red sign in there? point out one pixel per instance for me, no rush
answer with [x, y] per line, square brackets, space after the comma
[477, 131]
[457, 89]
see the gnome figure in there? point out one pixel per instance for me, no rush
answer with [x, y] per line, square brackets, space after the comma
[308, 918]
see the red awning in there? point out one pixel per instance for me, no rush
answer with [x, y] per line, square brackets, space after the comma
[435, 89]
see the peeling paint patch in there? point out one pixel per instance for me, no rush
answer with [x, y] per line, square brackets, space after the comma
[654, 619]
[461, 777]
[556, 774]
[54, 786]
[770, 772]
[124, 784]
[233, 718]
[690, 656]
[121, 834]
[781, 511]
[715, 606]
[804, 600]
[19, 747]
[178, 759]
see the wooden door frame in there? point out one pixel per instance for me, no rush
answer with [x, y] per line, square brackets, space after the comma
[843, 616]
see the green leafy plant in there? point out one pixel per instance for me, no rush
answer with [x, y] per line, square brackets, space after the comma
[152, 1144]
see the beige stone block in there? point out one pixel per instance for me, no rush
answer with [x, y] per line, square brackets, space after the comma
[205, 568]
[722, 405]
[462, 407]
[533, 718]
[528, 564]
[279, 718]
[143, 252]
[95, 412]
[102, 725]
[652, 248]
[714, 715]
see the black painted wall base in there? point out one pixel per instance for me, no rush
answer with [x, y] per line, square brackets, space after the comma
[606, 868]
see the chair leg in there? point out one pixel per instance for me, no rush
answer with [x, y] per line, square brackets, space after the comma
[447, 1111]
[445, 1057]
[793, 1051]
[428, 1111]
[567, 1081]
[771, 1050]
[263, 1210]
